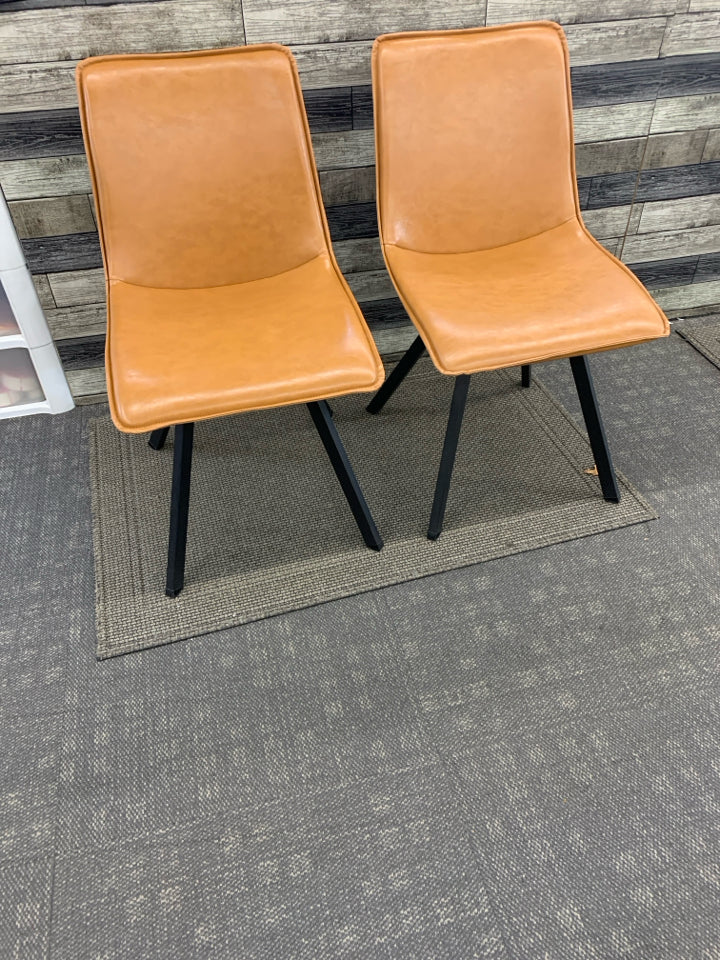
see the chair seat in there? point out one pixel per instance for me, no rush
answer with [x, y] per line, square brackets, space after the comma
[558, 294]
[180, 355]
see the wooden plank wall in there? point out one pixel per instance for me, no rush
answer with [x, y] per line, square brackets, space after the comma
[646, 84]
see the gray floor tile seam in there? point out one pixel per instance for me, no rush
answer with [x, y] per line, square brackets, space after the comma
[223, 809]
[455, 792]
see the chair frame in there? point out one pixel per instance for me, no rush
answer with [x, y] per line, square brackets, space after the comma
[322, 418]
[588, 402]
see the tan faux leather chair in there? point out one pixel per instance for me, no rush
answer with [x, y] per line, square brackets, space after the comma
[223, 291]
[480, 221]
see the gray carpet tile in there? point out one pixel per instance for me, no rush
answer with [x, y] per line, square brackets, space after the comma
[526, 760]
[384, 868]
[25, 908]
[703, 334]
[280, 715]
[29, 779]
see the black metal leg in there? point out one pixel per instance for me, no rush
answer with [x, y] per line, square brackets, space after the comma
[447, 460]
[525, 374]
[325, 426]
[402, 369]
[179, 505]
[596, 432]
[158, 438]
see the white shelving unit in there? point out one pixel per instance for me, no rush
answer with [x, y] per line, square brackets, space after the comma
[31, 375]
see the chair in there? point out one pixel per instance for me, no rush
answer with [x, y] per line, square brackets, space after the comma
[480, 222]
[223, 291]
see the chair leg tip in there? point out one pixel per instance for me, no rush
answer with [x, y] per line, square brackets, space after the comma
[433, 534]
[173, 593]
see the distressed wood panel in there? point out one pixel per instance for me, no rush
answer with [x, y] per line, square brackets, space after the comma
[575, 11]
[692, 33]
[78, 353]
[351, 220]
[682, 301]
[674, 149]
[371, 285]
[660, 246]
[609, 156]
[317, 21]
[37, 86]
[42, 133]
[685, 214]
[354, 256]
[77, 287]
[351, 148]
[611, 222]
[77, 321]
[349, 185]
[333, 64]
[615, 41]
[671, 183]
[712, 146]
[686, 113]
[42, 288]
[77, 251]
[619, 120]
[47, 177]
[708, 267]
[53, 216]
[682, 76]
[64, 33]
[88, 385]
[665, 273]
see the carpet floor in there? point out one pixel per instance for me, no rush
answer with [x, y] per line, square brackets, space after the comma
[517, 760]
[704, 335]
[271, 530]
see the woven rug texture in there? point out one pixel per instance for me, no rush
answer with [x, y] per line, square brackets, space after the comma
[270, 530]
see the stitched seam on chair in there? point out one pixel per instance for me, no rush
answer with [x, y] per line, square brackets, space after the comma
[500, 246]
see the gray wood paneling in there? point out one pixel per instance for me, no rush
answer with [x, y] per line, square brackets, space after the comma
[685, 214]
[42, 288]
[618, 120]
[77, 321]
[609, 156]
[354, 256]
[350, 185]
[575, 11]
[48, 177]
[712, 146]
[351, 148]
[70, 33]
[52, 216]
[674, 149]
[688, 298]
[333, 64]
[692, 33]
[78, 251]
[77, 287]
[615, 41]
[686, 113]
[37, 86]
[317, 21]
[659, 246]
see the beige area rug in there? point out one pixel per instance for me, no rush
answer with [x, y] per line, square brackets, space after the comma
[704, 335]
[270, 530]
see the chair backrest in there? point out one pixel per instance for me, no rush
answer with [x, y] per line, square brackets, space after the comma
[202, 166]
[474, 136]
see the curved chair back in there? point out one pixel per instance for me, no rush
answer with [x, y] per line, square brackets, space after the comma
[202, 166]
[474, 136]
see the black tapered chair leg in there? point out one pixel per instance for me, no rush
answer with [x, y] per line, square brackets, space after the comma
[525, 375]
[596, 431]
[325, 426]
[179, 506]
[401, 370]
[447, 460]
[158, 438]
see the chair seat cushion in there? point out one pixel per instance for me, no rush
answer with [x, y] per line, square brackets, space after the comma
[180, 355]
[557, 294]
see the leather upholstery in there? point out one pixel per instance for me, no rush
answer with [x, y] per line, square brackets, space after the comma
[477, 201]
[223, 291]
